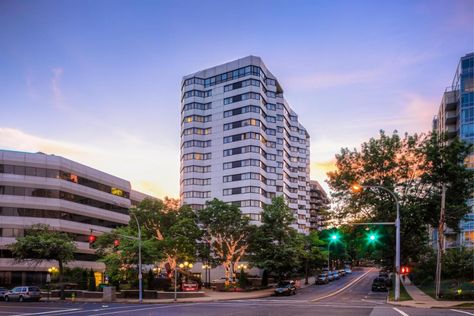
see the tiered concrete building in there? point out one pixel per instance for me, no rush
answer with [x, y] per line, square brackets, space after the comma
[319, 203]
[241, 142]
[456, 118]
[36, 188]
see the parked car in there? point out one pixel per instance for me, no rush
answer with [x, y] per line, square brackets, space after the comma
[285, 288]
[322, 279]
[342, 272]
[347, 270]
[23, 293]
[3, 290]
[189, 286]
[336, 275]
[330, 276]
[379, 285]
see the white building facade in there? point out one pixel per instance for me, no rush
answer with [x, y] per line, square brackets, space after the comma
[241, 142]
[37, 188]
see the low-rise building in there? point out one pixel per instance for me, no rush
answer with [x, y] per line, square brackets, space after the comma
[37, 188]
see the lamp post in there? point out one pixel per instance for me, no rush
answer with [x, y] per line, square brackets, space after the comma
[333, 238]
[48, 279]
[184, 265]
[358, 188]
[140, 275]
[206, 267]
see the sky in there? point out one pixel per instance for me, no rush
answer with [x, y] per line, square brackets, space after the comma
[99, 82]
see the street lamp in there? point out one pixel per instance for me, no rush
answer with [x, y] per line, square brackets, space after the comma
[184, 265]
[206, 267]
[357, 188]
[331, 239]
[48, 278]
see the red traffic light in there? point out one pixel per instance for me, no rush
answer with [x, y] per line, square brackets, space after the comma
[116, 243]
[92, 239]
[405, 270]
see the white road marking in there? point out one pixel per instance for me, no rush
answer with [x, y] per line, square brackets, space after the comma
[401, 312]
[50, 312]
[464, 312]
[342, 289]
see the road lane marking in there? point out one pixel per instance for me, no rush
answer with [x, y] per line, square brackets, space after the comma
[401, 312]
[345, 287]
[464, 312]
[50, 312]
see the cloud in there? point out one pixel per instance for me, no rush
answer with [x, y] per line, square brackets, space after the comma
[56, 89]
[14, 139]
[151, 168]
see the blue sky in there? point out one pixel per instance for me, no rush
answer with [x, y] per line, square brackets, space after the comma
[99, 81]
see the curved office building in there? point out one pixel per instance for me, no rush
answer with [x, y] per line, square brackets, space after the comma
[241, 142]
[36, 188]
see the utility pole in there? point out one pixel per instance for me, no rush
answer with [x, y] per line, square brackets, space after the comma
[440, 240]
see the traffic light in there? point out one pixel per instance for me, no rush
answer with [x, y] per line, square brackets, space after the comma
[404, 270]
[92, 240]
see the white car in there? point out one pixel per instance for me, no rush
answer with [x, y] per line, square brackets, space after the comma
[347, 270]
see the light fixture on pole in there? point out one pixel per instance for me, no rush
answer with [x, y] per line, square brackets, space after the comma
[358, 188]
[206, 267]
[184, 265]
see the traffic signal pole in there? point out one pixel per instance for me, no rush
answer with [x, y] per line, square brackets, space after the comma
[358, 187]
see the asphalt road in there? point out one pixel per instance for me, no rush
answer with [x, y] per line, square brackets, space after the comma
[350, 295]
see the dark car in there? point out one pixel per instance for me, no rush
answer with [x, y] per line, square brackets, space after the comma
[336, 275]
[330, 276]
[2, 292]
[323, 278]
[285, 288]
[23, 293]
[379, 285]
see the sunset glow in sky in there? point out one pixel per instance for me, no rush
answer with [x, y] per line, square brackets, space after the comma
[98, 82]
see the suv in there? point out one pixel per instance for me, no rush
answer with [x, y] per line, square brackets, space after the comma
[23, 293]
[379, 284]
[2, 292]
[322, 279]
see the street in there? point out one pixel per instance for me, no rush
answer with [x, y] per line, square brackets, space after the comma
[350, 295]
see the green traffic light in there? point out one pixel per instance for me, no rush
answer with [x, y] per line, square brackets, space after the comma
[334, 237]
[372, 237]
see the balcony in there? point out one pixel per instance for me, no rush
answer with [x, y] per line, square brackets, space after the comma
[451, 118]
[451, 100]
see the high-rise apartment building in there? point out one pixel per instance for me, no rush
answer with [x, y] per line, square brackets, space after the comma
[241, 142]
[36, 188]
[456, 118]
[319, 203]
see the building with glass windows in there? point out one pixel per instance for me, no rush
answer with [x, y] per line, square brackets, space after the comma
[241, 142]
[456, 118]
[36, 188]
[319, 203]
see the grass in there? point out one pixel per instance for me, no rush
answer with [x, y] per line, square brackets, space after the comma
[465, 305]
[447, 287]
[404, 296]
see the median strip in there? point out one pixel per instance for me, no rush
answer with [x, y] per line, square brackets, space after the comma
[342, 289]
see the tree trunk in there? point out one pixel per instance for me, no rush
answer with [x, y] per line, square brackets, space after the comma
[440, 243]
[62, 295]
[306, 272]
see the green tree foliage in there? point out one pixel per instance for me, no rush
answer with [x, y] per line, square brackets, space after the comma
[227, 232]
[312, 255]
[42, 243]
[413, 167]
[276, 246]
[167, 234]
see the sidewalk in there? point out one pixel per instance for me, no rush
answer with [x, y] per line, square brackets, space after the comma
[210, 296]
[422, 300]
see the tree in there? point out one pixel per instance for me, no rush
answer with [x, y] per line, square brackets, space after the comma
[42, 243]
[312, 254]
[91, 283]
[227, 232]
[276, 246]
[413, 167]
[167, 234]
